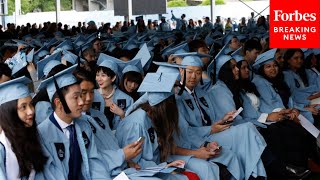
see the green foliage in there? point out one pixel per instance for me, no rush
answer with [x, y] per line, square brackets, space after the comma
[207, 2]
[177, 3]
[44, 5]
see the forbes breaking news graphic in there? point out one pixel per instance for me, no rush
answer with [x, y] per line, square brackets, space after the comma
[295, 24]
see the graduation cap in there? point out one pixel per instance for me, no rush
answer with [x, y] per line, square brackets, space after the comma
[108, 62]
[237, 52]
[36, 42]
[79, 40]
[83, 47]
[145, 57]
[182, 55]
[165, 67]
[216, 34]
[55, 83]
[20, 42]
[58, 34]
[42, 52]
[158, 86]
[14, 89]
[71, 58]
[18, 62]
[92, 37]
[208, 40]
[30, 56]
[131, 44]
[65, 45]
[238, 58]
[47, 64]
[27, 38]
[211, 69]
[264, 58]
[53, 41]
[132, 65]
[316, 51]
[307, 52]
[181, 46]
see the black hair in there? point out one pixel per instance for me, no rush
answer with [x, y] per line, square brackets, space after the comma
[64, 91]
[194, 45]
[24, 140]
[245, 84]
[134, 77]
[250, 45]
[5, 70]
[84, 75]
[226, 76]
[302, 71]
[278, 84]
[107, 71]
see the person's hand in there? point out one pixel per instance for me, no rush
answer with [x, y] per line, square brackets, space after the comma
[312, 108]
[20, 47]
[276, 116]
[132, 164]
[132, 150]
[177, 163]
[220, 125]
[31, 68]
[214, 147]
[171, 59]
[117, 110]
[205, 153]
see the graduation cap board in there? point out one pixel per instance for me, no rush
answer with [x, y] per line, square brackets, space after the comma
[47, 64]
[14, 89]
[158, 86]
[55, 83]
[17, 62]
[165, 67]
[264, 58]
[145, 57]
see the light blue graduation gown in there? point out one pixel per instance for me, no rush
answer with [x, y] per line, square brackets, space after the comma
[124, 101]
[107, 145]
[47, 173]
[299, 92]
[270, 99]
[98, 101]
[43, 110]
[228, 139]
[57, 144]
[139, 124]
[314, 77]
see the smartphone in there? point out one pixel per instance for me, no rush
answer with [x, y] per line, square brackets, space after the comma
[227, 122]
[140, 139]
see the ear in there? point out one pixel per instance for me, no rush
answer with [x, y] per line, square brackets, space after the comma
[57, 103]
[114, 78]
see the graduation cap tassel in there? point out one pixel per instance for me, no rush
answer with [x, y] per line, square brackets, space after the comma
[182, 87]
[214, 72]
[62, 99]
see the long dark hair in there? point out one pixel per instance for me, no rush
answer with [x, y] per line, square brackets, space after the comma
[302, 71]
[165, 118]
[226, 76]
[245, 84]
[24, 140]
[133, 77]
[278, 84]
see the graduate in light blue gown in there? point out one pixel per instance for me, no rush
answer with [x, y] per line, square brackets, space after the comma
[278, 128]
[116, 159]
[46, 68]
[66, 135]
[312, 65]
[207, 125]
[302, 87]
[18, 133]
[156, 120]
[116, 101]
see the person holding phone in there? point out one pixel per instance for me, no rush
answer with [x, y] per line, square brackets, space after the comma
[201, 123]
[117, 159]
[156, 118]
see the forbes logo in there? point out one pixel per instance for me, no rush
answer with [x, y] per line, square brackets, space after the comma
[279, 15]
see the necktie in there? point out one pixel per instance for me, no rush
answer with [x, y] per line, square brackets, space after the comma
[73, 154]
[204, 116]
